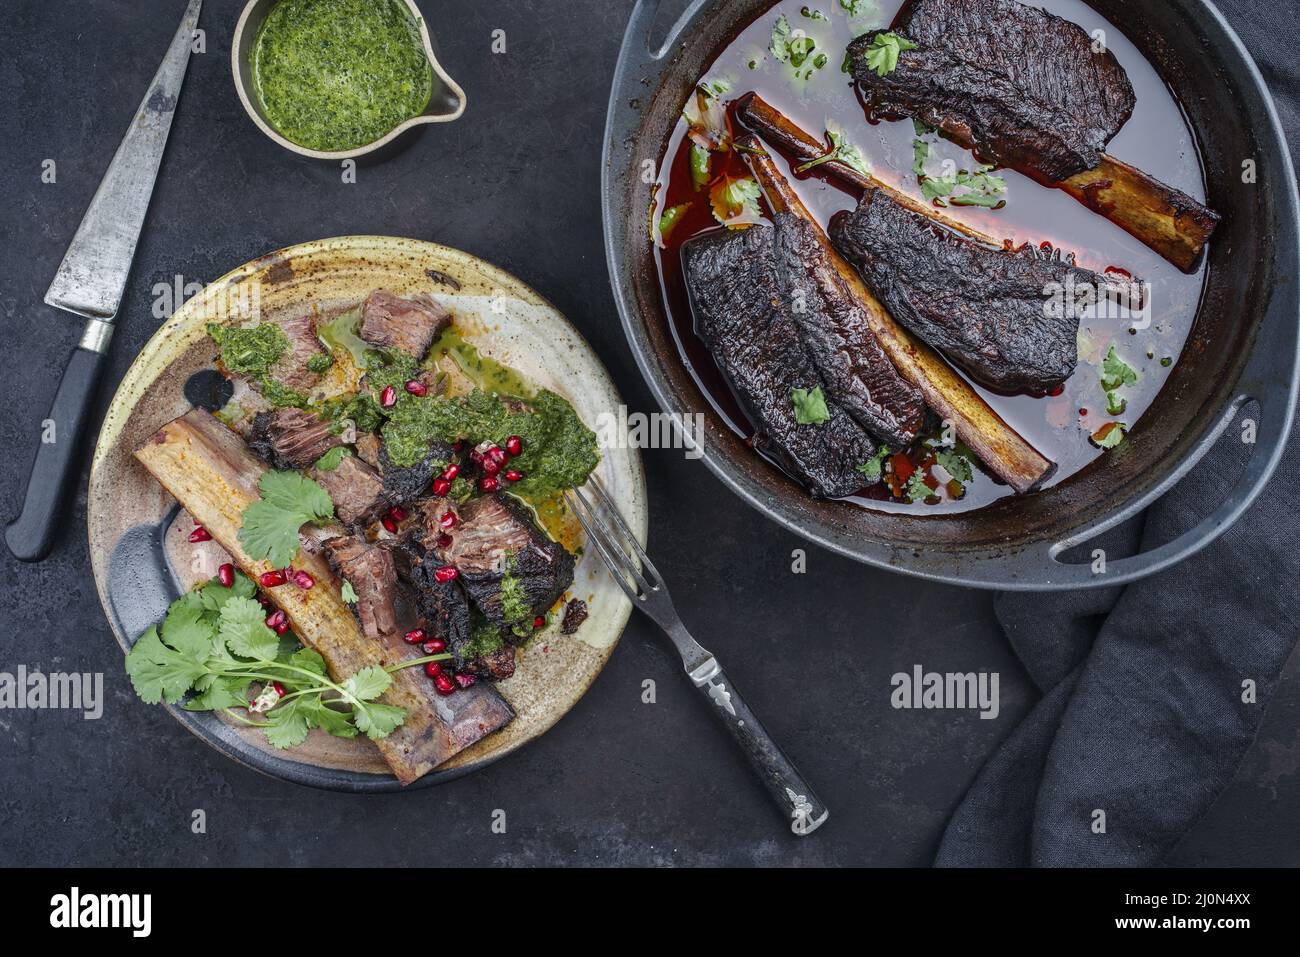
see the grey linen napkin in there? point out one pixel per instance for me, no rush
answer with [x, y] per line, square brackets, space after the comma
[1145, 713]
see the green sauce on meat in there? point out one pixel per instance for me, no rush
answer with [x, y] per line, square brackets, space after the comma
[249, 350]
[338, 74]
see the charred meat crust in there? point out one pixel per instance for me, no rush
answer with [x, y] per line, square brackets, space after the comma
[409, 325]
[575, 613]
[984, 308]
[741, 313]
[837, 334]
[291, 438]
[404, 485]
[446, 612]
[1020, 86]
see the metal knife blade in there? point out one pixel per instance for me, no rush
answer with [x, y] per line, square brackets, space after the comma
[93, 274]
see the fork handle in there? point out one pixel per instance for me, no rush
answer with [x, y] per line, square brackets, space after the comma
[801, 807]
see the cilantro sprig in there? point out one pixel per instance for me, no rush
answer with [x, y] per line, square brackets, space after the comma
[810, 406]
[840, 150]
[882, 54]
[214, 642]
[289, 501]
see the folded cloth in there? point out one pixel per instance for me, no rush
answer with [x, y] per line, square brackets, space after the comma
[1152, 693]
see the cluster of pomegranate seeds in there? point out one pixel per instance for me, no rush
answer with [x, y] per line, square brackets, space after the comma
[200, 534]
[415, 636]
[446, 573]
[303, 580]
[388, 398]
[271, 579]
[416, 387]
[392, 517]
[278, 622]
[226, 575]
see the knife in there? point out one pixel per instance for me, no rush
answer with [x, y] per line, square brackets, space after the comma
[90, 282]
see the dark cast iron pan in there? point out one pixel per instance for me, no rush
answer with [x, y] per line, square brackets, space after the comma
[1242, 347]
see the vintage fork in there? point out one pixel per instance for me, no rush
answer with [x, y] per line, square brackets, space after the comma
[641, 581]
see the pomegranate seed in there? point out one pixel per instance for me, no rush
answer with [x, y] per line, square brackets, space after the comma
[448, 519]
[264, 602]
[444, 540]
[434, 646]
[514, 445]
[271, 579]
[464, 680]
[476, 456]
[200, 534]
[414, 636]
[496, 455]
[388, 523]
[276, 619]
[226, 575]
[441, 487]
[388, 398]
[513, 475]
[398, 513]
[451, 472]
[539, 622]
[279, 688]
[490, 466]
[446, 573]
[303, 580]
[488, 484]
[416, 387]
[443, 683]
[433, 669]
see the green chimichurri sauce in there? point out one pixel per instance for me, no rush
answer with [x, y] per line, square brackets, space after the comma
[338, 74]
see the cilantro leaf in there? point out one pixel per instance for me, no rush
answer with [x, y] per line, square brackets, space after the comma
[270, 526]
[1109, 435]
[1115, 403]
[780, 43]
[368, 683]
[331, 459]
[936, 187]
[212, 594]
[858, 8]
[185, 630]
[810, 406]
[308, 659]
[735, 201]
[378, 720]
[955, 464]
[840, 150]
[1115, 372]
[221, 693]
[917, 490]
[348, 593]
[243, 630]
[287, 724]
[159, 673]
[874, 465]
[882, 55]
[337, 723]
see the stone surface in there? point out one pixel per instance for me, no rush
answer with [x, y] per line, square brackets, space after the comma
[617, 781]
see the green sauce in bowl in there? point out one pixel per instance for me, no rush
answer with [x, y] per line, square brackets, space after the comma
[336, 75]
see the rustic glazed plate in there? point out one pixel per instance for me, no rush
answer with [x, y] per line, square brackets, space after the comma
[139, 547]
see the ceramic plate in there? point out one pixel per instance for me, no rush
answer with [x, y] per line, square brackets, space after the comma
[138, 534]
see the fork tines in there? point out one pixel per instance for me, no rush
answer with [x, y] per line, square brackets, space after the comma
[617, 545]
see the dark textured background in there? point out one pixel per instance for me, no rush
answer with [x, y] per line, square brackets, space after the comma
[616, 781]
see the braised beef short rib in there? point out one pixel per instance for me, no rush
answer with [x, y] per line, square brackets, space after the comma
[373, 575]
[356, 490]
[291, 438]
[409, 325]
[989, 310]
[1021, 87]
[741, 312]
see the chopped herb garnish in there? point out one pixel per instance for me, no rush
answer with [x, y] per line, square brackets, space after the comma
[872, 467]
[780, 44]
[320, 362]
[348, 593]
[700, 162]
[1109, 435]
[1115, 372]
[955, 464]
[917, 490]
[810, 406]
[840, 150]
[813, 14]
[734, 201]
[331, 459]
[858, 8]
[882, 55]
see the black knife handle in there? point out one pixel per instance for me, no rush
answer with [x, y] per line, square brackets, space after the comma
[802, 808]
[31, 535]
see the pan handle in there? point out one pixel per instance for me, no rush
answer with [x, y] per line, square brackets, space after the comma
[642, 22]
